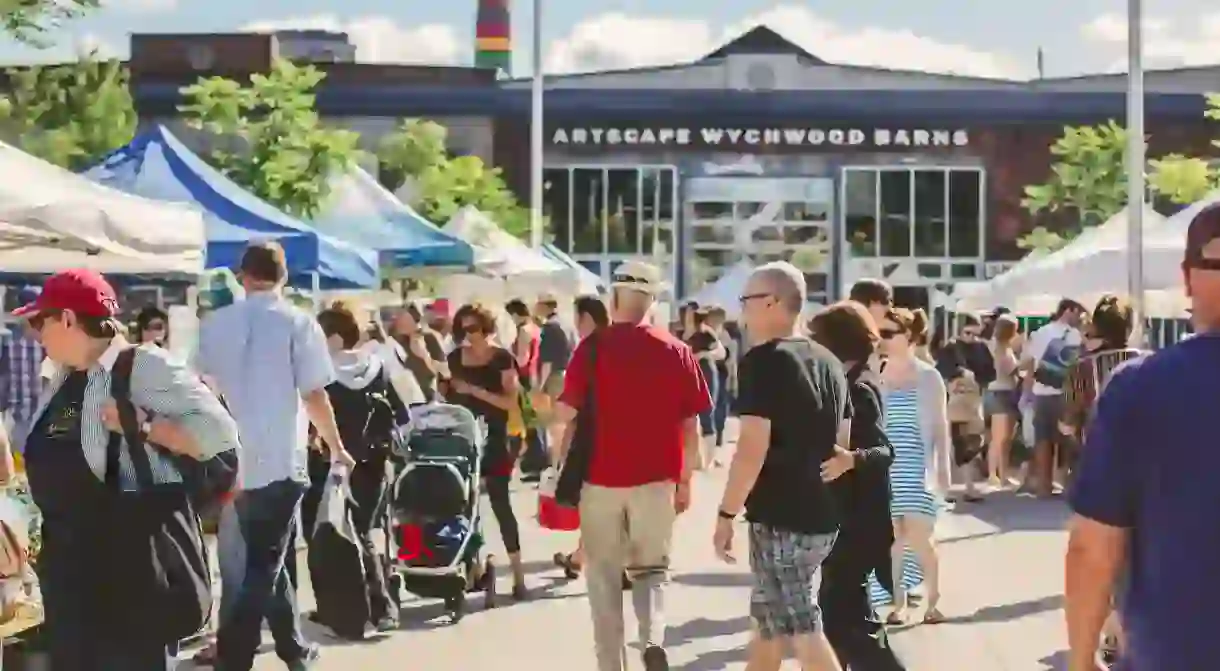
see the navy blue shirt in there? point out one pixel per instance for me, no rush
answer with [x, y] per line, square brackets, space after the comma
[1151, 464]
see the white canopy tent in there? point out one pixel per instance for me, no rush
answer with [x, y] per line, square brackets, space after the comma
[1089, 266]
[51, 219]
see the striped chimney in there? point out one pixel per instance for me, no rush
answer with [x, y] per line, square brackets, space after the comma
[493, 37]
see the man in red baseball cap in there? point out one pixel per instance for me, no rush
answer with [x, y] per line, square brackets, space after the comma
[74, 314]
[89, 543]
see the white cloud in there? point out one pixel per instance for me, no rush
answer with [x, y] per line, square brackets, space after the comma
[142, 6]
[1167, 43]
[618, 40]
[379, 39]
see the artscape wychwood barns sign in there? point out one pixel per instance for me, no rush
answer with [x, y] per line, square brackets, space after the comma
[712, 137]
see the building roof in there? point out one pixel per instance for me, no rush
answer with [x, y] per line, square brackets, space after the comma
[762, 40]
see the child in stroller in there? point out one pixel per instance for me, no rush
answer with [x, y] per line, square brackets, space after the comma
[436, 540]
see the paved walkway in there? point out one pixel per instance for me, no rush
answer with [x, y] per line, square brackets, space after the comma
[1001, 583]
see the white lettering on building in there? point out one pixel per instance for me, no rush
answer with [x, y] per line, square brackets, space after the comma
[792, 137]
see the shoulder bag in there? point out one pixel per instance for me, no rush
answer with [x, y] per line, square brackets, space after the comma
[574, 470]
[157, 574]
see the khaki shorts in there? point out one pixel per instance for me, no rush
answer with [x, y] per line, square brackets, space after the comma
[553, 384]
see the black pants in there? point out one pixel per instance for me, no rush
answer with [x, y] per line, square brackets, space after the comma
[502, 508]
[370, 485]
[855, 631]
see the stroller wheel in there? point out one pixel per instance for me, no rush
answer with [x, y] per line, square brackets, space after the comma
[456, 605]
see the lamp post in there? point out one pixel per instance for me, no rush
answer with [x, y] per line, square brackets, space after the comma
[536, 132]
[1135, 164]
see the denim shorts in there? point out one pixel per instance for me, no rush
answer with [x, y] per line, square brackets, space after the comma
[785, 567]
[1001, 402]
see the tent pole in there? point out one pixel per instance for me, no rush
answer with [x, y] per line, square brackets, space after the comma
[536, 137]
[1135, 166]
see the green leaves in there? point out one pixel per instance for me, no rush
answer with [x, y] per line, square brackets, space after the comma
[71, 115]
[416, 151]
[29, 21]
[271, 139]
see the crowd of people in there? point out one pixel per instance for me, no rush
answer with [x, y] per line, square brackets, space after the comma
[857, 429]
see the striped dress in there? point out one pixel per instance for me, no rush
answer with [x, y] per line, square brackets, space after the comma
[908, 478]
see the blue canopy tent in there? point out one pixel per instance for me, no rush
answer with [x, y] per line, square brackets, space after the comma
[157, 165]
[361, 211]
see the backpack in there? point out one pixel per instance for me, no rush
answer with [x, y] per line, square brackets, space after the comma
[1052, 368]
[965, 405]
[366, 417]
[210, 483]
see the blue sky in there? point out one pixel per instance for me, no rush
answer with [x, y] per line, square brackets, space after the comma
[988, 38]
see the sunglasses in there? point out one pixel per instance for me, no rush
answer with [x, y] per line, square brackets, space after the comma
[889, 334]
[472, 329]
[155, 326]
[749, 297]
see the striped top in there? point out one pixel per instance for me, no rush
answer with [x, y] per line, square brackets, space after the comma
[909, 470]
[160, 385]
[1080, 385]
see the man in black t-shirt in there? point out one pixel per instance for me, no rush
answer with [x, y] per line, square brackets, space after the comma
[794, 410]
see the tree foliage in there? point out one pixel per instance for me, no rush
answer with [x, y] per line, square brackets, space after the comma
[29, 21]
[71, 115]
[276, 145]
[1089, 180]
[416, 152]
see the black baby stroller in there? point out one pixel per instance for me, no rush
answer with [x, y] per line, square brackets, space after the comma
[435, 531]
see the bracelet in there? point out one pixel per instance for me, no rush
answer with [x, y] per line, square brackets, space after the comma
[725, 516]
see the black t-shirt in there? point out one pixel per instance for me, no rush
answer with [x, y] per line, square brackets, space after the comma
[489, 376]
[802, 389]
[701, 341]
[555, 347]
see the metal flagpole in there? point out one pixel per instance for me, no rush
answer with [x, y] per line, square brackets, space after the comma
[536, 133]
[1135, 164]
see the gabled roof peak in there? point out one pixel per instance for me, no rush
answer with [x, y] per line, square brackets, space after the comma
[762, 40]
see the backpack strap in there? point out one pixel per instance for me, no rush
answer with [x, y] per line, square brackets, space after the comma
[120, 393]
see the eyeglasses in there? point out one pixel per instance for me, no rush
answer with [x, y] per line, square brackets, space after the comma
[746, 298]
[889, 334]
[632, 279]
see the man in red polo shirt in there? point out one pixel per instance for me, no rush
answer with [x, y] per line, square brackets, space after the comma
[647, 393]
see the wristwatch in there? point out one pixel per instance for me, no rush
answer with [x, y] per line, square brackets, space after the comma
[725, 516]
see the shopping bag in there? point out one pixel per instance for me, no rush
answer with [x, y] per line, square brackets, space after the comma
[551, 514]
[336, 566]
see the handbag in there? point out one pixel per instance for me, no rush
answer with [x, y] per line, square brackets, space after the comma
[574, 470]
[156, 568]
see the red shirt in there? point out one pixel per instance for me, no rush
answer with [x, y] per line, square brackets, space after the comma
[646, 385]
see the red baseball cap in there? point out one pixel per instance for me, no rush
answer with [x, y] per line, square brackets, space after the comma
[439, 306]
[82, 291]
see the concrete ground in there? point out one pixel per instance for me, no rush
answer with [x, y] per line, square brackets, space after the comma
[1002, 585]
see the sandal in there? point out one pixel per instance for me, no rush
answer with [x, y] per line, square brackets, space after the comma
[896, 619]
[571, 570]
[933, 616]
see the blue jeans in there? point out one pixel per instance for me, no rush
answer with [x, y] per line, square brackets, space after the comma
[707, 423]
[257, 532]
[720, 411]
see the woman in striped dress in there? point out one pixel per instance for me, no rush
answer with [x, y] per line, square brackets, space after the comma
[915, 421]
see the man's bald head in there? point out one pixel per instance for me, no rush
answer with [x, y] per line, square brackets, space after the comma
[783, 281]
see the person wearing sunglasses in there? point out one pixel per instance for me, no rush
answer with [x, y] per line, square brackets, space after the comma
[916, 422]
[152, 326]
[76, 467]
[484, 379]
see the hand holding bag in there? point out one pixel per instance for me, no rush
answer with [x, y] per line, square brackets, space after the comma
[575, 467]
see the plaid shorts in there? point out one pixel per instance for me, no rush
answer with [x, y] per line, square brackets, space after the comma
[785, 568]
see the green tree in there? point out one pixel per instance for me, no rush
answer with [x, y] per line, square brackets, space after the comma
[29, 21]
[71, 115]
[283, 153]
[413, 147]
[1088, 179]
[1185, 179]
[416, 151]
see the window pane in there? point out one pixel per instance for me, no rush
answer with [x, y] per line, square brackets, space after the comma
[929, 213]
[806, 235]
[658, 238]
[711, 211]
[588, 207]
[708, 263]
[556, 198]
[797, 212]
[622, 222]
[895, 213]
[669, 180]
[964, 212]
[744, 211]
[767, 233]
[711, 233]
[860, 211]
